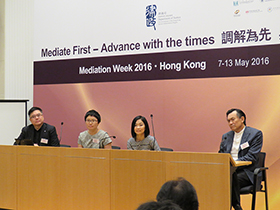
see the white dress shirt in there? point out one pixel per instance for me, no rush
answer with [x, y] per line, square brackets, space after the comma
[236, 143]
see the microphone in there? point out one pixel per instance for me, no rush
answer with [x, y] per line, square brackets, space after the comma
[101, 143]
[61, 132]
[152, 121]
[222, 146]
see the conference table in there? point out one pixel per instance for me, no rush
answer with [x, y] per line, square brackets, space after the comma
[58, 178]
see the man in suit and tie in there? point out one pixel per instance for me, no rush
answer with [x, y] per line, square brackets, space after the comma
[42, 134]
[243, 143]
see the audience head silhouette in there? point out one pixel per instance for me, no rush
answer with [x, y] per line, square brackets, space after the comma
[179, 191]
[153, 205]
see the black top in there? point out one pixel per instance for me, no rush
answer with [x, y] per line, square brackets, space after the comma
[45, 136]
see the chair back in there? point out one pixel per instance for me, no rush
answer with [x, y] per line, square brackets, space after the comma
[260, 175]
[166, 149]
[262, 156]
[259, 179]
[64, 145]
[262, 159]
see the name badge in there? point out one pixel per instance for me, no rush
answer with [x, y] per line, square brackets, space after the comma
[245, 145]
[44, 141]
[96, 141]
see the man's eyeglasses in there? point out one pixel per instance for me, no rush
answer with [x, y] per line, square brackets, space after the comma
[36, 115]
[91, 121]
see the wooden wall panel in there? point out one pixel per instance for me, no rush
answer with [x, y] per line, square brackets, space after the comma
[8, 175]
[38, 178]
[85, 178]
[54, 178]
[208, 173]
[136, 177]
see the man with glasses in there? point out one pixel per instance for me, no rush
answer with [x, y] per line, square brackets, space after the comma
[42, 134]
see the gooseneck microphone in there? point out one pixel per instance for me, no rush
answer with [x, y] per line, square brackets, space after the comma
[152, 121]
[60, 132]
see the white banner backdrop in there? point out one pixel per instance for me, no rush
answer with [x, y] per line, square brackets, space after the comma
[79, 29]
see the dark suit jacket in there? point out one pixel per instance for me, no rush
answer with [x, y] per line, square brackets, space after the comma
[47, 132]
[254, 138]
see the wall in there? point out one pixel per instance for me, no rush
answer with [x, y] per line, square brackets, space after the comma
[18, 68]
[2, 41]
[16, 59]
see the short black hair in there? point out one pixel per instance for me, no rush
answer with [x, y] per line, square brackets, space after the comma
[147, 129]
[153, 205]
[240, 113]
[34, 108]
[181, 192]
[150, 205]
[93, 113]
[169, 205]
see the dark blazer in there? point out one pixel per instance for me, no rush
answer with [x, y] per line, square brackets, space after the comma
[254, 138]
[48, 132]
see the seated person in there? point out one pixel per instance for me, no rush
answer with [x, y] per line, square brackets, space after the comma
[94, 137]
[153, 205]
[244, 144]
[179, 191]
[42, 134]
[141, 139]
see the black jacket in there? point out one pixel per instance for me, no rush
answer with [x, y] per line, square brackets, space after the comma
[48, 135]
[253, 138]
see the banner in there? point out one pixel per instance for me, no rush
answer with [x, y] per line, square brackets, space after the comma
[142, 40]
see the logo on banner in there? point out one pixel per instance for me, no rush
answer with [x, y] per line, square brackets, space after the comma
[253, 11]
[236, 12]
[236, 3]
[151, 12]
